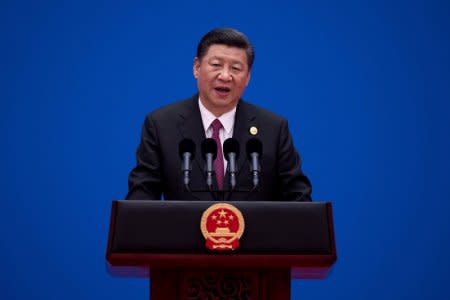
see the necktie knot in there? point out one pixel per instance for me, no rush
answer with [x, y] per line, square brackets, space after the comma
[216, 125]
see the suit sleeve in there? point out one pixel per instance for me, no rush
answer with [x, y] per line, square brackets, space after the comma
[294, 185]
[144, 181]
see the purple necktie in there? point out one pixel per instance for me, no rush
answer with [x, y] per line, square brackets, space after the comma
[218, 163]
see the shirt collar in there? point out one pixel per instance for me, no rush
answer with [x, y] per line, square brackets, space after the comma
[227, 119]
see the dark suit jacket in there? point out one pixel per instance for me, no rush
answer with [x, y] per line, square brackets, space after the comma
[158, 169]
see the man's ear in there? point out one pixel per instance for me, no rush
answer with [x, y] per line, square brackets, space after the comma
[196, 67]
[248, 78]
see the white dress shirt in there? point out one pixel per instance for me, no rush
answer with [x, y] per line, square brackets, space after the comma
[227, 120]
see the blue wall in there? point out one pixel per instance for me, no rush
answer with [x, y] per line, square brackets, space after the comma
[365, 87]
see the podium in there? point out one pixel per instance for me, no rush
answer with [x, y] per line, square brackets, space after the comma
[163, 240]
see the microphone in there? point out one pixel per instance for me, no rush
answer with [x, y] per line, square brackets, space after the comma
[209, 153]
[254, 153]
[231, 153]
[186, 150]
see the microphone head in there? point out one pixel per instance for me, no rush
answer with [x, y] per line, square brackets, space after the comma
[186, 145]
[231, 146]
[209, 146]
[253, 146]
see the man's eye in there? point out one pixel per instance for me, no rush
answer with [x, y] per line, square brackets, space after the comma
[236, 69]
[215, 64]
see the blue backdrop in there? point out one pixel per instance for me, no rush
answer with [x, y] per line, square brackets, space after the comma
[365, 86]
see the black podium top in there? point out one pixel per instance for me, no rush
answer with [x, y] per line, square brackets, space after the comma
[174, 227]
[161, 233]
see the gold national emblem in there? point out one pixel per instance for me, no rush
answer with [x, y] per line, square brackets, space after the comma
[222, 226]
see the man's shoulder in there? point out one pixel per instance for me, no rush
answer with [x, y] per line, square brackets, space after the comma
[173, 109]
[260, 112]
[189, 105]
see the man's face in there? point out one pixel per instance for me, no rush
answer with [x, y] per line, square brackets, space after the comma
[222, 76]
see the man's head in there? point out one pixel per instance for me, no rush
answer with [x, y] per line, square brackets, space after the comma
[222, 68]
[228, 37]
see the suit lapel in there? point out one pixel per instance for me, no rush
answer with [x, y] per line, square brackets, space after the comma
[244, 119]
[191, 127]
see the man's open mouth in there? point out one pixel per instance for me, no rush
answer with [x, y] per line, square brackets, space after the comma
[222, 90]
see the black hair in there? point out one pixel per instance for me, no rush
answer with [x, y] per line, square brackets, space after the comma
[229, 37]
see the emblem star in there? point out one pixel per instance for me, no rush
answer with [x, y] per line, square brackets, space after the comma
[214, 217]
[230, 217]
[223, 213]
[219, 222]
[225, 222]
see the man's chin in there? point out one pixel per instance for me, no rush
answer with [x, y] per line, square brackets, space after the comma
[222, 107]
[224, 103]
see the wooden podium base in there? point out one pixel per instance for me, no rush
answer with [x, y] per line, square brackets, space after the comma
[207, 284]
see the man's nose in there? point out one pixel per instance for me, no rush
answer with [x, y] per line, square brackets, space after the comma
[225, 75]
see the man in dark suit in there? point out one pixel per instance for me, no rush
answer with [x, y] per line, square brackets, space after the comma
[222, 69]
